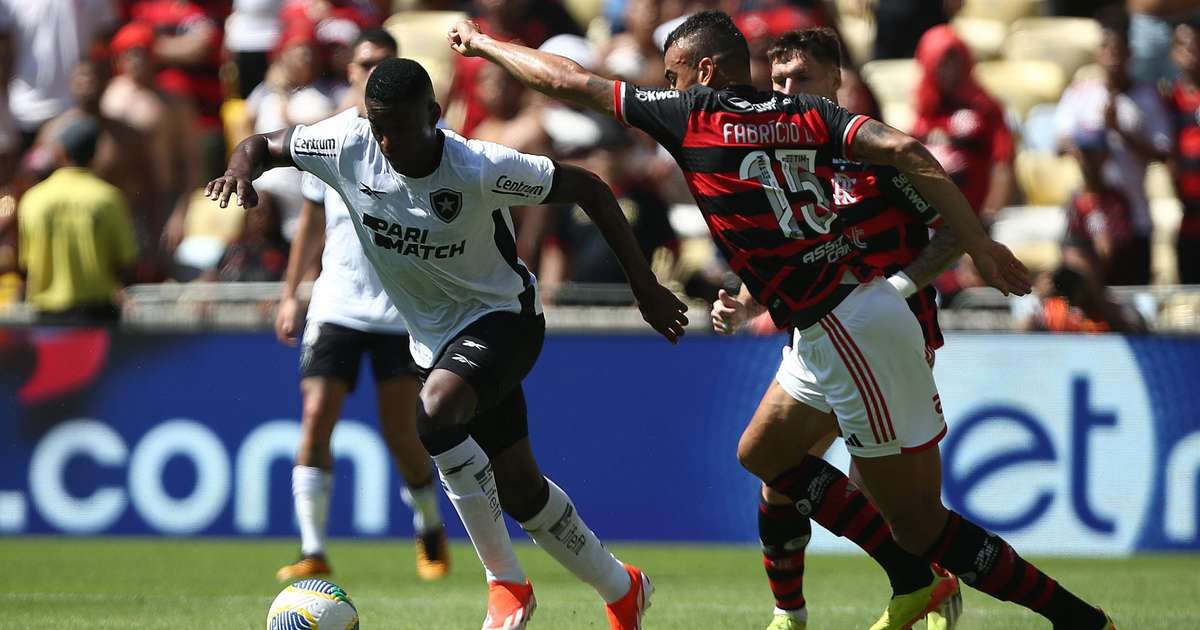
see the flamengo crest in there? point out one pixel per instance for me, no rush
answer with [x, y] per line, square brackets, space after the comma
[446, 203]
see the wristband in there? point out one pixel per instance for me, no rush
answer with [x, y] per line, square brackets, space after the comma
[903, 284]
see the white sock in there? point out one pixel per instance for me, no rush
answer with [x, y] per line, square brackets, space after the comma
[311, 488]
[800, 614]
[427, 516]
[558, 529]
[472, 489]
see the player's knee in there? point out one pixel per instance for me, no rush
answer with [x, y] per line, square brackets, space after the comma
[915, 530]
[753, 456]
[437, 411]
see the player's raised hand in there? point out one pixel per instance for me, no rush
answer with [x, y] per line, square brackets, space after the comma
[1000, 269]
[287, 321]
[462, 38]
[662, 310]
[728, 313]
[229, 184]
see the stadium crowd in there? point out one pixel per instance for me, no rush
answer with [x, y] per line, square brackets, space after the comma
[1073, 129]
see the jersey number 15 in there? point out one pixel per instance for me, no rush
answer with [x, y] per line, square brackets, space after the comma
[797, 166]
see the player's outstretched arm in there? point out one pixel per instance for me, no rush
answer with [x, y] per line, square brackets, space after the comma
[307, 246]
[730, 313]
[877, 143]
[250, 158]
[549, 74]
[660, 308]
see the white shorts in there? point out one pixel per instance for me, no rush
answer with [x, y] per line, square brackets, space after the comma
[867, 362]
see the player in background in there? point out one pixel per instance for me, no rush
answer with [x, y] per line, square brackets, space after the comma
[759, 167]
[889, 222]
[348, 316]
[430, 209]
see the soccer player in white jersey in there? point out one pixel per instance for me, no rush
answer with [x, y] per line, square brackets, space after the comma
[349, 315]
[431, 211]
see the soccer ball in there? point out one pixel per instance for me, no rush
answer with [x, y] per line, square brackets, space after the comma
[313, 604]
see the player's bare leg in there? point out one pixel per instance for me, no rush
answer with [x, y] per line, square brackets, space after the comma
[781, 428]
[907, 489]
[312, 476]
[397, 398]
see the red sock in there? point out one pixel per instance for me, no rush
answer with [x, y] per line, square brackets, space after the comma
[784, 534]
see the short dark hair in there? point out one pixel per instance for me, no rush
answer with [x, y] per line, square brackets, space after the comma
[1114, 19]
[820, 43]
[379, 37]
[711, 33]
[398, 80]
[78, 140]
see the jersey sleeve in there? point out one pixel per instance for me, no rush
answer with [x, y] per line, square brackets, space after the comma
[842, 124]
[899, 190]
[511, 178]
[663, 114]
[316, 148]
[312, 188]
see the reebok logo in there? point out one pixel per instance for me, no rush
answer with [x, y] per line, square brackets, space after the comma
[370, 192]
[461, 359]
[474, 345]
[456, 469]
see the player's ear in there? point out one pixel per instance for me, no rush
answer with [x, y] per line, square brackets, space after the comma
[706, 71]
[435, 112]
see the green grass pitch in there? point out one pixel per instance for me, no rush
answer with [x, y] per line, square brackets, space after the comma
[228, 584]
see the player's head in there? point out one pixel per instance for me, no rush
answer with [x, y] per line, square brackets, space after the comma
[1185, 49]
[372, 46]
[401, 108]
[707, 49]
[1113, 54]
[77, 142]
[807, 61]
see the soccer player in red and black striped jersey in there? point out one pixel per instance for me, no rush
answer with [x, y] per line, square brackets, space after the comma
[759, 165]
[889, 222]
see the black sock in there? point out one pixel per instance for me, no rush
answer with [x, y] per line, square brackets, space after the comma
[988, 563]
[822, 493]
[784, 534]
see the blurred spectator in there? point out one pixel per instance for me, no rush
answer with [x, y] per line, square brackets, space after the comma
[513, 119]
[292, 94]
[1149, 34]
[903, 22]
[122, 154]
[763, 26]
[259, 254]
[250, 32]
[43, 42]
[1099, 219]
[574, 249]
[76, 238]
[962, 124]
[1079, 8]
[530, 22]
[1136, 125]
[1184, 104]
[187, 52]
[167, 123]
[633, 54]
[1069, 300]
[335, 23]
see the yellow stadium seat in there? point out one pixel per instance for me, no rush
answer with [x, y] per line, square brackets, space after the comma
[899, 114]
[858, 34]
[1165, 215]
[1158, 182]
[892, 80]
[1090, 72]
[1070, 43]
[233, 121]
[857, 8]
[984, 36]
[1004, 10]
[584, 11]
[1022, 84]
[422, 36]
[1047, 179]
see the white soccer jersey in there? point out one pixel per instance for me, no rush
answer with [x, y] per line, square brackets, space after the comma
[442, 245]
[348, 291]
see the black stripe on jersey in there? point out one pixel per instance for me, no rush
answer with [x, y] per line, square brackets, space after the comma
[729, 159]
[508, 249]
[751, 203]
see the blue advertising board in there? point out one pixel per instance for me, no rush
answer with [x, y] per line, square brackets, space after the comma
[1065, 444]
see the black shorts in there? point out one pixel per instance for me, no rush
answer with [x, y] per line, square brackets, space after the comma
[333, 351]
[494, 354]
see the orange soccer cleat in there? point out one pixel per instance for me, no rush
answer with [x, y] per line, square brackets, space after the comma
[626, 613]
[510, 606]
[305, 567]
[433, 555]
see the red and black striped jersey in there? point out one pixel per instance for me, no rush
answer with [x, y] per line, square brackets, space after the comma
[759, 165]
[888, 220]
